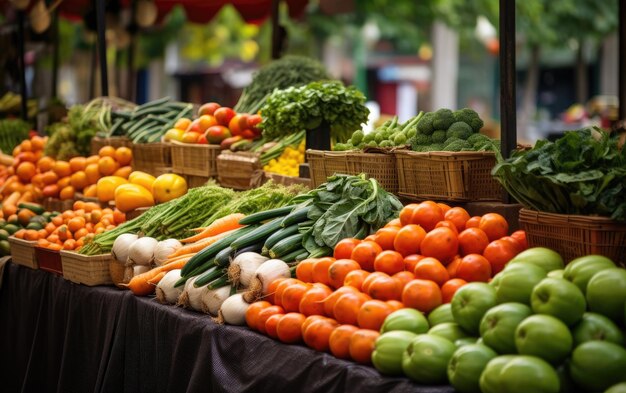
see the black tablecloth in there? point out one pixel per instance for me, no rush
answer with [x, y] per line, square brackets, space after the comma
[56, 336]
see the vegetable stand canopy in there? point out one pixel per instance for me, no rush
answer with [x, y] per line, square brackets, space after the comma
[65, 337]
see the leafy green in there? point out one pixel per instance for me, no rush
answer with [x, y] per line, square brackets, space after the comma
[12, 132]
[307, 107]
[583, 172]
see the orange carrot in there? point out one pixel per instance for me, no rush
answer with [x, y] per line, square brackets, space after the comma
[218, 226]
[143, 284]
[199, 245]
[184, 256]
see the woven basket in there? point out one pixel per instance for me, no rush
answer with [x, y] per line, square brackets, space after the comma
[195, 181]
[240, 170]
[87, 270]
[450, 176]
[57, 205]
[23, 252]
[194, 159]
[574, 236]
[287, 180]
[49, 260]
[115, 141]
[152, 158]
[379, 166]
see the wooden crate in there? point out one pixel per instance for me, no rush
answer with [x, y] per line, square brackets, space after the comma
[575, 236]
[87, 270]
[380, 166]
[23, 252]
[116, 141]
[240, 170]
[152, 158]
[194, 159]
[447, 176]
[196, 181]
[57, 205]
[287, 180]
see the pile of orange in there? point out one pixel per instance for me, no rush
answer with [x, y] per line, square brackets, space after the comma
[338, 304]
[72, 228]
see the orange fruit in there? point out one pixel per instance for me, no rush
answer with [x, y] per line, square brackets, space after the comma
[472, 241]
[26, 145]
[107, 151]
[78, 180]
[90, 191]
[440, 243]
[62, 168]
[362, 343]
[92, 159]
[76, 223]
[123, 171]
[78, 164]
[64, 182]
[93, 173]
[67, 193]
[45, 164]
[78, 205]
[191, 137]
[37, 143]
[26, 170]
[458, 216]
[182, 124]
[123, 155]
[423, 295]
[494, 225]
[431, 269]
[107, 165]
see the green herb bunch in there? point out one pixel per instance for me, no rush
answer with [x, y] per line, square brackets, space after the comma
[307, 107]
[583, 172]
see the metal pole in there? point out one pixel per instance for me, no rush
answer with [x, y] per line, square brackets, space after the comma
[508, 131]
[102, 50]
[92, 72]
[276, 34]
[22, 64]
[55, 53]
[132, 81]
[622, 60]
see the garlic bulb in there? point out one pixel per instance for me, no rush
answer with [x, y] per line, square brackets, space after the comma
[233, 310]
[140, 269]
[141, 252]
[243, 268]
[166, 292]
[191, 297]
[212, 299]
[121, 245]
[164, 249]
[263, 277]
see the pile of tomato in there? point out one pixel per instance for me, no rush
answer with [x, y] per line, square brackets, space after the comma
[338, 304]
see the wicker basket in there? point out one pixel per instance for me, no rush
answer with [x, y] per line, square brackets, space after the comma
[195, 181]
[115, 141]
[194, 159]
[379, 166]
[152, 158]
[57, 205]
[240, 170]
[87, 270]
[574, 236]
[287, 180]
[450, 176]
[23, 252]
[49, 260]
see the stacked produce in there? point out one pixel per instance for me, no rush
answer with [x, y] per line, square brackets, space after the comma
[279, 74]
[216, 125]
[11, 104]
[24, 220]
[442, 130]
[308, 107]
[148, 122]
[16, 174]
[417, 261]
[583, 172]
[289, 161]
[12, 133]
[68, 230]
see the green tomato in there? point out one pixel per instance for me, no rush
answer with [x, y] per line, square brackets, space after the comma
[426, 359]
[388, 350]
[517, 283]
[544, 336]
[490, 378]
[466, 341]
[441, 314]
[597, 365]
[556, 273]
[497, 327]
[619, 388]
[495, 281]
[565, 380]
[545, 258]
[470, 303]
[526, 374]
[466, 366]
[559, 298]
[606, 294]
[407, 319]
[451, 331]
[580, 270]
[594, 326]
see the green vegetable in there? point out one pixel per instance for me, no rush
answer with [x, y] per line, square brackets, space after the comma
[12, 133]
[576, 174]
[258, 235]
[286, 246]
[439, 136]
[425, 125]
[459, 130]
[443, 119]
[357, 137]
[470, 117]
[388, 350]
[457, 145]
[256, 218]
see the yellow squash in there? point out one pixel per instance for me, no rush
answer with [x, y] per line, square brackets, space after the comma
[142, 178]
[132, 196]
[167, 187]
[105, 189]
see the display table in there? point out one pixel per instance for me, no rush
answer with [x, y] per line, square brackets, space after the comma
[56, 336]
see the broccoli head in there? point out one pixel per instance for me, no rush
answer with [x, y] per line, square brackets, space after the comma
[478, 138]
[420, 149]
[425, 125]
[423, 140]
[459, 130]
[450, 140]
[470, 117]
[435, 147]
[443, 119]
[357, 137]
[457, 146]
[439, 136]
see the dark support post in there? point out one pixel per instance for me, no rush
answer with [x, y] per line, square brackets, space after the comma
[276, 33]
[132, 81]
[622, 60]
[102, 50]
[22, 63]
[92, 72]
[55, 53]
[508, 126]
